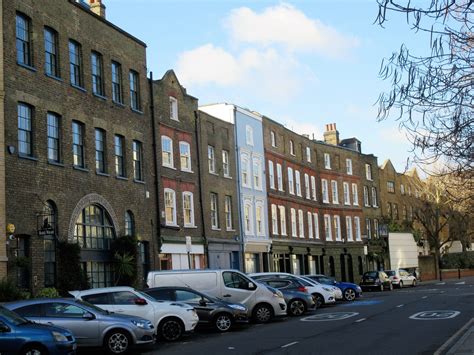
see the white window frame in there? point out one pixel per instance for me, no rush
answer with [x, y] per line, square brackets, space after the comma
[257, 173]
[282, 211]
[291, 181]
[350, 237]
[327, 161]
[274, 219]
[188, 157]
[347, 194]
[279, 177]
[292, 147]
[325, 190]
[374, 197]
[249, 135]
[173, 108]
[298, 183]
[273, 139]
[310, 225]
[306, 187]
[301, 223]
[245, 169]
[366, 196]
[376, 228]
[368, 172]
[327, 227]
[167, 164]
[259, 207]
[349, 166]
[294, 231]
[308, 154]
[368, 228]
[313, 188]
[173, 222]
[355, 195]
[357, 228]
[402, 189]
[191, 195]
[271, 174]
[214, 208]
[334, 192]
[229, 225]
[225, 163]
[337, 228]
[211, 159]
[316, 225]
[248, 218]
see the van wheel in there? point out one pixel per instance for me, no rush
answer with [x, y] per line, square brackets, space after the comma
[171, 329]
[223, 322]
[117, 341]
[262, 313]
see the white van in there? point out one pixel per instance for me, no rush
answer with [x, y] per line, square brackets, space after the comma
[233, 286]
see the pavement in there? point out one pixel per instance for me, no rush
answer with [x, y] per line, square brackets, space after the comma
[461, 343]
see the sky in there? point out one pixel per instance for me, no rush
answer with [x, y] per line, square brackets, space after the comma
[304, 63]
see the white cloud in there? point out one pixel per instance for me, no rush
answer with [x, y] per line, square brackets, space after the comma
[286, 25]
[302, 127]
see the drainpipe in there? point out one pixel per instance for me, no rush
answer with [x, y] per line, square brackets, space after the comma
[157, 171]
[197, 131]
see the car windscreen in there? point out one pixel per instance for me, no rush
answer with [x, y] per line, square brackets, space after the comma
[371, 274]
[12, 317]
[390, 273]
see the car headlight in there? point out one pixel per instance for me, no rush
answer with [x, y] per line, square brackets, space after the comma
[238, 307]
[359, 289]
[59, 337]
[327, 289]
[143, 324]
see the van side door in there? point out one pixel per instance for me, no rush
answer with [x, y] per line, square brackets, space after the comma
[236, 288]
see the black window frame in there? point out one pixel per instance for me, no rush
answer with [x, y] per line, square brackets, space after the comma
[97, 74]
[24, 43]
[51, 62]
[78, 146]
[137, 160]
[119, 155]
[100, 147]
[54, 142]
[117, 82]
[134, 81]
[76, 75]
[27, 129]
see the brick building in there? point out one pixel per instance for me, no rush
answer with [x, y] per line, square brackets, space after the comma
[219, 195]
[179, 197]
[77, 138]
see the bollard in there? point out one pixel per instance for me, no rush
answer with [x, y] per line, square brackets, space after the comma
[459, 273]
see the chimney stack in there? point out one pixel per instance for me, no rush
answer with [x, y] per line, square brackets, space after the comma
[97, 7]
[331, 135]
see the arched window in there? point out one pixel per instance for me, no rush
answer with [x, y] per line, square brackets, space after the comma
[129, 224]
[49, 243]
[94, 228]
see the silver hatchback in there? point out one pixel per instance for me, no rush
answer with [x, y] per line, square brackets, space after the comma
[90, 325]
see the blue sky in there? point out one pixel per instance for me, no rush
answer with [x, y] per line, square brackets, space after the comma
[304, 63]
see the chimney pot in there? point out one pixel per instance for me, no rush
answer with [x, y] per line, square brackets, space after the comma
[97, 7]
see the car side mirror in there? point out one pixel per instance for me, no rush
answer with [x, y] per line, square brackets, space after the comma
[4, 328]
[88, 316]
[140, 302]
[251, 286]
[202, 302]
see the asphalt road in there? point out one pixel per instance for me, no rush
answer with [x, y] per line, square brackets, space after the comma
[378, 323]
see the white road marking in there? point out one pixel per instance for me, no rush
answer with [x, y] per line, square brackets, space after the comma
[461, 283]
[360, 320]
[435, 315]
[400, 305]
[289, 344]
[324, 317]
[231, 348]
[424, 297]
[441, 283]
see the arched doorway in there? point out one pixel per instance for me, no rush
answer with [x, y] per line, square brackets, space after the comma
[342, 259]
[332, 269]
[350, 268]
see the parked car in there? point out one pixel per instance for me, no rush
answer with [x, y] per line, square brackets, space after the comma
[21, 336]
[401, 277]
[171, 319]
[375, 280]
[298, 300]
[263, 303]
[350, 291]
[222, 315]
[90, 325]
[322, 294]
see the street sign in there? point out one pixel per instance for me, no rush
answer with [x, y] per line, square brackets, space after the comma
[435, 315]
[188, 244]
[326, 317]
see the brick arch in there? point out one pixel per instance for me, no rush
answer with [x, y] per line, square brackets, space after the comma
[91, 199]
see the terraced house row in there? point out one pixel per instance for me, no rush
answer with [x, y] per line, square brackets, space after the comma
[96, 149]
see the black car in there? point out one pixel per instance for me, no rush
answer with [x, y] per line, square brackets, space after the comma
[211, 311]
[376, 280]
[297, 298]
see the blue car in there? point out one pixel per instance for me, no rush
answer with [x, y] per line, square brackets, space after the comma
[20, 336]
[349, 290]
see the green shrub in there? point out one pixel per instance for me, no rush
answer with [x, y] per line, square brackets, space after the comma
[10, 292]
[125, 252]
[48, 292]
[464, 260]
[71, 276]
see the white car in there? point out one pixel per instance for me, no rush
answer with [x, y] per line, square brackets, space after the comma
[401, 278]
[171, 319]
[323, 294]
[337, 290]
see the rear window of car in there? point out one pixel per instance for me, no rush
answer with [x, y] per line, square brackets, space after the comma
[390, 273]
[33, 310]
[98, 298]
[161, 295]
[371, 274]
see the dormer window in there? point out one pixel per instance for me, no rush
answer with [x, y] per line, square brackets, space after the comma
[173, 108]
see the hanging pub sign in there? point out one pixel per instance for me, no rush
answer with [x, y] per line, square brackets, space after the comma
[45, 224]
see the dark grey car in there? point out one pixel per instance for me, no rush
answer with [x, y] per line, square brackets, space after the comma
[220, 314]
[90, 325]
[298, 300]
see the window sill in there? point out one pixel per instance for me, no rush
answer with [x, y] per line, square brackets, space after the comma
[80, 168]
[139, 181]
[174, 119]
[55, 163]
[190, 227]
[228, 177]
[213, 173]
[99, 96]
[171, 226]
[102, 174]
[215, 229]
[121, 178]
[27, 157]
[57, 78]
[230, 230]
[136, 111]
[26, 66]
[80, 88]
[119, 104]
[187, 171]
[169, 167]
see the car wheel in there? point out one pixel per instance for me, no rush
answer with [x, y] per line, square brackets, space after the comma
[381, 287]
[262, 313]
[319, 299]
[171, 329]
[390, 287]
[414, 283]
[223, 322]
[296, 308]
[117, 342]
[34, 349]
[400, 284]
[349, 295]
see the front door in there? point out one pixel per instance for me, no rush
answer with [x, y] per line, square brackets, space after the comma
[124, 303]
[236, 288]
